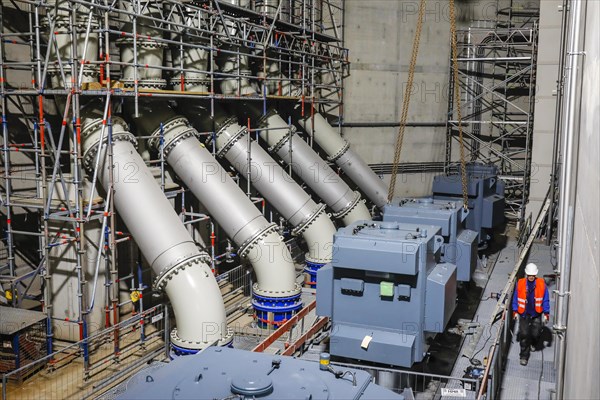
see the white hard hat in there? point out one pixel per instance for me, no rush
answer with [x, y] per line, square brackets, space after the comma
[531, 269]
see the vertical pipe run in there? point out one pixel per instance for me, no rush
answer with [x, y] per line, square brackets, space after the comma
[568, 179]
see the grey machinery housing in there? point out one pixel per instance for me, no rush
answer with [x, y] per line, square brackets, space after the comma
[386, 291]
[460, 244]
[485, 196]
[226, 373]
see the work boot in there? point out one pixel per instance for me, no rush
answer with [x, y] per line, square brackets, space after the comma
[523, 361]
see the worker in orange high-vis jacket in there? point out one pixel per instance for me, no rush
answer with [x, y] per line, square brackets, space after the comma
[531, 305]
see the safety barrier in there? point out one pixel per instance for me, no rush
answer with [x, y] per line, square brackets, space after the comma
[236, 287]
[423, 385]
[498, 352]
[93, 365]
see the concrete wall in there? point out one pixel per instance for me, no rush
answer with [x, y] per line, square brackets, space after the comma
[379, 34]
[545, 104]
[583, 324]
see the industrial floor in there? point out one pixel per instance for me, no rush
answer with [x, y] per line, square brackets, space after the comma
[537, 379]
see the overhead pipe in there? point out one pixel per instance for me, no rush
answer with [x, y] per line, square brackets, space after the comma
[568, 179]
[346, 204]
[182, 270]
[339, 151]
[306, 163]
[308, 218]
[61, 46]
[337, 148]
[140, 52]
[275, 290]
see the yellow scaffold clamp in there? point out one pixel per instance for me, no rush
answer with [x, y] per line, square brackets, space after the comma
[135, 296]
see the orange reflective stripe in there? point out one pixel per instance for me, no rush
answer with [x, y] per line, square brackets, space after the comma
[521, 295]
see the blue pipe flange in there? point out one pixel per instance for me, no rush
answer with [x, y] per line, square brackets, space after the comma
[274, 311]
[311, 269]
[179, 350]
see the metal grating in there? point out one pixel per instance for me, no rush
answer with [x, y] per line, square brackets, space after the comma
[13, 320]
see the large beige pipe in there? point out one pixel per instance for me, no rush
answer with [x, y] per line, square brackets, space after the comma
[307, 164]
[236, 214]
[278, 188]
[182, 270]
[339, 151]
[312, 169]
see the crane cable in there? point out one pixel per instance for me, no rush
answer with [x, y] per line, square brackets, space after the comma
[463, 164]
[408, 91]
[405, 104]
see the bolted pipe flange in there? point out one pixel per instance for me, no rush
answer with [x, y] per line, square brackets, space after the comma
[277, 293]
[274, 308]
[306, 222]
[316, 260]
[232, 140]
[89, 156]
[192, 346]
[341, 152]
[180, 138]
[346, 210]
[91, 133]
[142, 43]
[90, 71]
[172, 138]
[162, 280]
[275, 148]
[189, 82]
[313, 265]
[168, 126]
[153, 84]
[249, 244]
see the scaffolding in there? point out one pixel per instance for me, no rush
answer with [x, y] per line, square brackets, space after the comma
[43, 94]
[497, 66]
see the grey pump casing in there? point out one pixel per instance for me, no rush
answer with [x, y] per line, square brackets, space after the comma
[485, 192]
[386, 286]
[460, 244]
[225, 373]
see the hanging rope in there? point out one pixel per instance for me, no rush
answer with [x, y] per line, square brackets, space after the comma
[405, 104]
[463, 169]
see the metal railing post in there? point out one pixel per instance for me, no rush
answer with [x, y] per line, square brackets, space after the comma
[166, 332]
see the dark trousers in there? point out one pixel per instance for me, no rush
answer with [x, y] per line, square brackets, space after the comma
[529, 332]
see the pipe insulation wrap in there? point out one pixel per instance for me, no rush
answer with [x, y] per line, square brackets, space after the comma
[340, 152]
[279, 189]
[162, 238]
[312, 169]
[227, 204]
